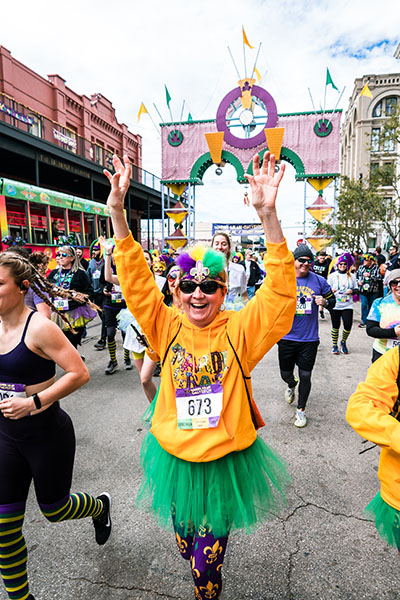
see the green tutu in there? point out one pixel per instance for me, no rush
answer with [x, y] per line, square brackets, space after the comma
[241, 490]
[387, 520]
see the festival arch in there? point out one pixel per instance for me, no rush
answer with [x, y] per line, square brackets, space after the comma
[247, 123]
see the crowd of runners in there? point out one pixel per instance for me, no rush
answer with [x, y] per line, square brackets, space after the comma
[203, 318]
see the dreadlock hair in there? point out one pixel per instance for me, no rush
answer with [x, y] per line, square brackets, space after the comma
[21, 269]
[38, 258]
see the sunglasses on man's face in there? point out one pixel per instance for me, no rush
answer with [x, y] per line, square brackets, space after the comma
[207, 287]
[395, 283]
[305, 260]
[63, 254]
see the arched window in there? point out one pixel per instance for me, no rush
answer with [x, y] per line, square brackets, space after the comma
[385, 107]
[377, 112]
[390, 105]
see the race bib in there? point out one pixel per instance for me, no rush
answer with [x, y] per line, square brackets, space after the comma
[116, 297]
[200, 407]
[304, 305]
[342, 297]
[392, 344]
[96, 274]
[12, 390]
[61, 303]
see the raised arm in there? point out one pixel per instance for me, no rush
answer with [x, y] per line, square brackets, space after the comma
[264, 184]
[140, 291]
[119, 186]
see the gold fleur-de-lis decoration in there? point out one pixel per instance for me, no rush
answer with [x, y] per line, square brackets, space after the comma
[197, 593]
[210, 590]
[182, 544]
[202, 530]
[212, 552]
[199, 272]
[196, 572]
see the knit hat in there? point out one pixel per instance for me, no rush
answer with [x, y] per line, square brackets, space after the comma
[395, 274]
[303, 250]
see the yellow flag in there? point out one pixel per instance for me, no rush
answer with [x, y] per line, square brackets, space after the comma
[257, 72]
[142, 110]
[366, 91]
[245, 40]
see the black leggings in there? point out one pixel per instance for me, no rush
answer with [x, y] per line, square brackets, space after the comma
[41, 448]
[346, 315]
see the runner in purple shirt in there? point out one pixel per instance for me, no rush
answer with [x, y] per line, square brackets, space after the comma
[299, 347]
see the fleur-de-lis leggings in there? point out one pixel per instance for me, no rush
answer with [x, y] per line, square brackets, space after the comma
[206, 555]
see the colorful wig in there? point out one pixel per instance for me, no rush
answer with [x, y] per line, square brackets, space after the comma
[345, 257]
[368, 256]
[202, 262]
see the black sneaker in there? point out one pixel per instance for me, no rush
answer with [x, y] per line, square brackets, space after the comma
[321, 314]
[100, 345]
[127, 364]
[111, 367]
[102, 524]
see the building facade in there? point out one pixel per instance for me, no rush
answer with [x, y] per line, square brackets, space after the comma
[361, 150]
[54, 145]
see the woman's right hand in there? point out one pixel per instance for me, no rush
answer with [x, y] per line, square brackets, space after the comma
[119, 183]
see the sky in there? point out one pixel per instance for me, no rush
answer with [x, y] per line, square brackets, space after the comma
[127, 51]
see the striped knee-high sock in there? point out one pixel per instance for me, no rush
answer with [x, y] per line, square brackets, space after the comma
[13, 553]
[127, 354]
[335, 336]
[112, 349]
[345, 335]
[76, 506]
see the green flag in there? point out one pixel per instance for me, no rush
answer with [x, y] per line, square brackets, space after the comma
[190, 118]
[168, 97]
[329, 80]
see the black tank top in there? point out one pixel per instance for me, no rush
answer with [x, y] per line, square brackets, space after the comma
[21, 365]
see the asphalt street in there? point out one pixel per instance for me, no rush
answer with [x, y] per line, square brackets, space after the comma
[321, 547]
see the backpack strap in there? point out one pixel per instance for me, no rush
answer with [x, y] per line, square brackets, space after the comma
[254, 412]
[170, 344]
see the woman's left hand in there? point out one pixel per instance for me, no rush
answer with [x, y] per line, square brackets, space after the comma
[264, 183]
[16, 408]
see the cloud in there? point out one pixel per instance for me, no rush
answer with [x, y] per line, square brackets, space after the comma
[128, 50]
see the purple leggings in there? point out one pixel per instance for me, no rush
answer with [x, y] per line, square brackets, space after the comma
[206, 555]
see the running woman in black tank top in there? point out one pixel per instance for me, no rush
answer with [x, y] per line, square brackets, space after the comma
[37, 440]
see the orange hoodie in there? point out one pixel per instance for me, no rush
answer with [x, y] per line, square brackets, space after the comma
[368, 412]
[202, 356]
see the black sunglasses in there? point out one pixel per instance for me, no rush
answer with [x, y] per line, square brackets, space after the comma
[395, 282]
[305, 260]
[188, 286]
[63, 254]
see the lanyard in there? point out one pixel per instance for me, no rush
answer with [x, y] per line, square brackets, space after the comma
[67, 278]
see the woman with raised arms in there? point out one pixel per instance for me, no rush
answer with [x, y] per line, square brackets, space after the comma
[204, 466]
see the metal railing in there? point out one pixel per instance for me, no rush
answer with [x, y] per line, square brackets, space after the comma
[23, 118]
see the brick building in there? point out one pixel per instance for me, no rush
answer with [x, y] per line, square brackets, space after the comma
[56, 143]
